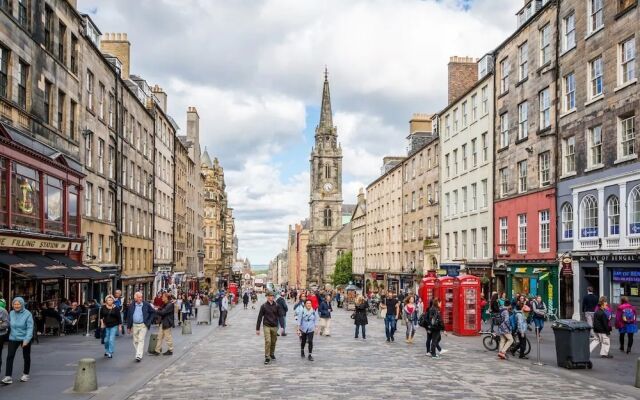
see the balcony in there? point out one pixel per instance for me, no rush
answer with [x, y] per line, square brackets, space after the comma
[589, 244]
[609, 243]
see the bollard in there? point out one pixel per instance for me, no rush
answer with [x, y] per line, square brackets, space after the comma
[638, 373]
[538, 362]
[186, 327]
[86, 378]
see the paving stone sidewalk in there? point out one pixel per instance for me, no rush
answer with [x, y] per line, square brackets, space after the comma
[231, 366]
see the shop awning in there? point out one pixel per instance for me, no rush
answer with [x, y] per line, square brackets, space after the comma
[31, 265]
[77, 270]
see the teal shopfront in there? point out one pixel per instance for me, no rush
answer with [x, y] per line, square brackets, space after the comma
[534, 280]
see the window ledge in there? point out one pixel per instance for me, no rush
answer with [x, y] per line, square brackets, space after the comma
[521, 81]
[593, 33]
[593, 168]
[621, 13]
[567, 51]
[626, 84]
[568, 175]
[544, 131]
[626, 158]
[524, 139]
[568, 112]
[500, 150]
[594, 100]
[543, 67]
[501, 95]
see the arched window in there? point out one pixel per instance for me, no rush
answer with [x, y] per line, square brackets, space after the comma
[634, 210]
[327, 171]
[567, 221]
[613, 212]
[589, 217]
[327, 216]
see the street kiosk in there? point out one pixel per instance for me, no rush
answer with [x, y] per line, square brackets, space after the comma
[466, 305]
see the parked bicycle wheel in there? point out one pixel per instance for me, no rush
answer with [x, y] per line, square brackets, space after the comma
[491, 342]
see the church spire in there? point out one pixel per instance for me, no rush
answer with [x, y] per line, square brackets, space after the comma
[326, 118]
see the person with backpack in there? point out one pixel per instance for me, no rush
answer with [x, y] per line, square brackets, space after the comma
[435, 326]
[539, 314]
[626, 322]
[504, 330]
[602, 327]
[520, 328]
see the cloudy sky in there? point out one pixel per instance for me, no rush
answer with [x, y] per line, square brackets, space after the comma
[254, 69]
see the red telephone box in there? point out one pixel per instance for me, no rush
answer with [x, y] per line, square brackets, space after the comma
[233, 288]
[427, 290]
[444, 290]
[466, 312]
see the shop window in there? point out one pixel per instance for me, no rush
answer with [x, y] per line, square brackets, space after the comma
[26, 198]
[589, 217]
[73, 211]
[53, 205]
[634, 211]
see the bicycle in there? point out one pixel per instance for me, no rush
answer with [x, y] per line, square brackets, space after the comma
[552, 315]
[491, 342]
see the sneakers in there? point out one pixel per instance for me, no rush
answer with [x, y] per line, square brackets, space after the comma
[436, 356]
[273, 357]
[443, 351]
[267, 361]
[302, 354]
[154, 353]
[109, 355]
[168, 353]
[310, 357]
[106, 354]
[25, 378]
[7, 380]
[138, 359]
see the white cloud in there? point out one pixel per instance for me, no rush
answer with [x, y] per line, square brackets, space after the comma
[252, 68]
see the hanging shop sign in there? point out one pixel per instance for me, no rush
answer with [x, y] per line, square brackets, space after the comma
[566, 266]
[32, 244]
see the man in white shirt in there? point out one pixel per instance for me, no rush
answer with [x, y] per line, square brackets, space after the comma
[224, 309]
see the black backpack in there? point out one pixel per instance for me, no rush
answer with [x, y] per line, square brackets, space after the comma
[423, 321]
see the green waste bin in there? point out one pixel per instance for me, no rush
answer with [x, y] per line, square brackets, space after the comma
[572, 343]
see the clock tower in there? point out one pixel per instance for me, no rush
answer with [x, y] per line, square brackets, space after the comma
[325, 190]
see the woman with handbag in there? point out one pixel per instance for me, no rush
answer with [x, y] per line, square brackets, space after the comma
[408, 314]
[360, 316]
[539, 314]
[110, 323]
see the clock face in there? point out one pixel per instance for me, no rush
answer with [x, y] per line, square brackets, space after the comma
[328, 187]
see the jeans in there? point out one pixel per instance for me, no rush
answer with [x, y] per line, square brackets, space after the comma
[411, 329]
[109, 335]
[306, 337]
[539, 323]
[284, 321]
[390, 325]
[13, 347]
[435, 342]
[364, 334]
[430, 340]
[222, 321]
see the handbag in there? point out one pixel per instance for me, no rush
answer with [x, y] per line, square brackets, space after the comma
[353, 315]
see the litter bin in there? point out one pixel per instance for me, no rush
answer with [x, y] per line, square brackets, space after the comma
[572, 343]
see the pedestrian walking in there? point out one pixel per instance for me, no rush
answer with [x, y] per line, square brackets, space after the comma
[245, 300]
[504, 330]
[521, 329]
[185, 308]
[589, 304]
[118, 302]
[325, 311]
[4, 330]
[435, 326]
[165, 312]
[20, 335]
[392, 306]
[409, 315]
[626, 318]
[360, 316]
[307, 327]
[224, 311]
[140, 314]
[539, 314]
[110, 323]
[268, 317]
[284, 308]
[3, 303]
[602, 327]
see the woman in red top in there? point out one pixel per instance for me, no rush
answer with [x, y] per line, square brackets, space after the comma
[408, 313]
[314, 300]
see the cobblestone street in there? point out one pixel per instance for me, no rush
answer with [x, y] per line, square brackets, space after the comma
[231, 366]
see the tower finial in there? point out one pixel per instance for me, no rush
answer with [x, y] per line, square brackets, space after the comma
[326, 73]
[326, 117]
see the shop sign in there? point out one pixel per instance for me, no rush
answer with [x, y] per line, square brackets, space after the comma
[623, 275]
[566, 266]
[32, 244]
[376, 276]
[164, 268]
[610, 258]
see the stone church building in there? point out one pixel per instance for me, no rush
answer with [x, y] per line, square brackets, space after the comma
[329, 231]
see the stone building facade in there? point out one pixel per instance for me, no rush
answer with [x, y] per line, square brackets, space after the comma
[359, 240]
[466, 137]
[325, 193]
[598, 196]
[420, 195]
[297, 251]
[525, 128]
[181, 162]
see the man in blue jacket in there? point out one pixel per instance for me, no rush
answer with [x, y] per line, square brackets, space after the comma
[325, 311]
[139, 317]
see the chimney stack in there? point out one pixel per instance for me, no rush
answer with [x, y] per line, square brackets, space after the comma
[117, 45]
[162, 97]
[420, 122]
[463, 74]
[193, 125]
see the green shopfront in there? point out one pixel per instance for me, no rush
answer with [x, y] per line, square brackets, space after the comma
[534, 280]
